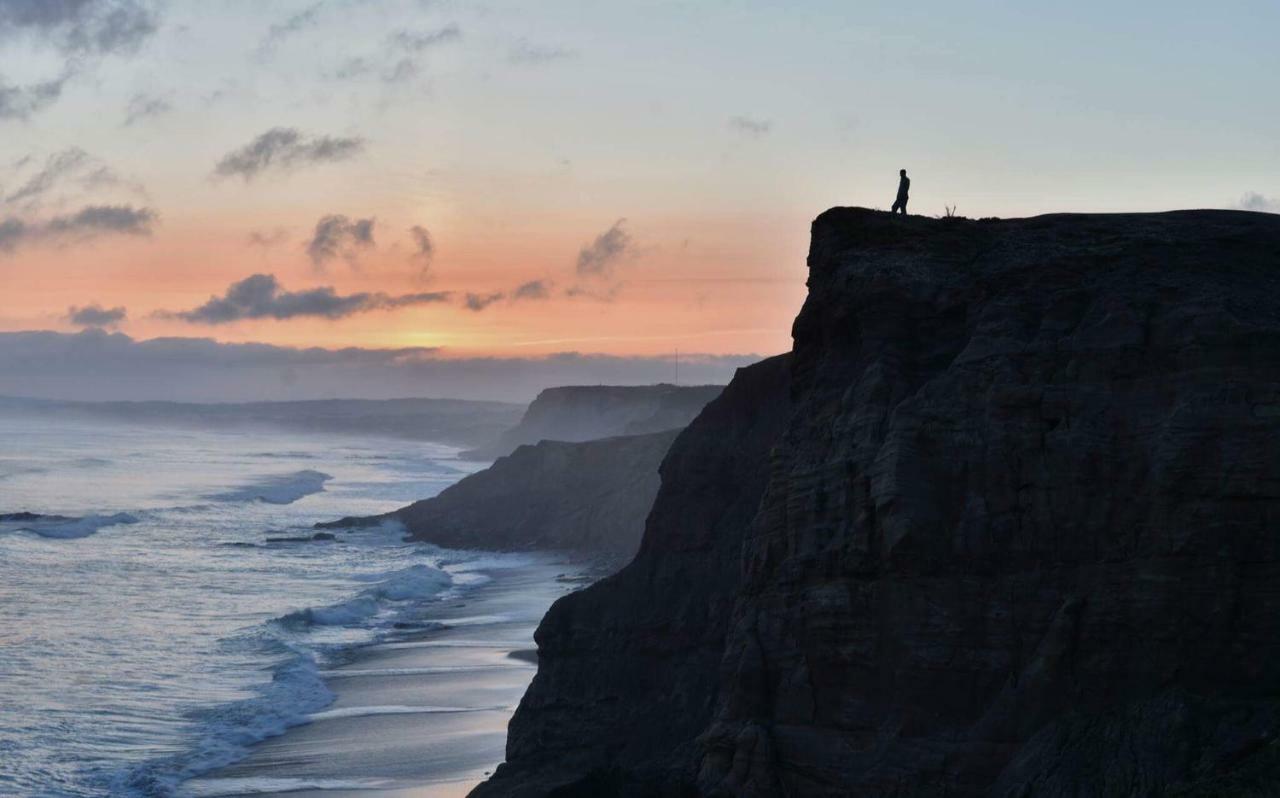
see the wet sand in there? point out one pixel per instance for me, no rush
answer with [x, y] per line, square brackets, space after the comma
[423, 715]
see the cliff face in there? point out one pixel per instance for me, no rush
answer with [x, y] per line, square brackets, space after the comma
[587, 412]
[1021, 536]
[628, 667]
[589, 497]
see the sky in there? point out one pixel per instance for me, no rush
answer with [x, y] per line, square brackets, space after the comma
[563, 188]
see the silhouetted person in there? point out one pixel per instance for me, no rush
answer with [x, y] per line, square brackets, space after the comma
[904, 186]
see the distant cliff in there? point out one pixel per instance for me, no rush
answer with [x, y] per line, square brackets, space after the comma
[588, 412]
[590, 497]
[1015, 532]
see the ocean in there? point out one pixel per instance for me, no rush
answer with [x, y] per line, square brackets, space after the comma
[174, 611]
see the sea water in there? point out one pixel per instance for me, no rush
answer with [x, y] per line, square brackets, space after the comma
[172, 614]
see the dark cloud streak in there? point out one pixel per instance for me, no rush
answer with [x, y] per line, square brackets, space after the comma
[598, 258]
[87, 223]
[260, 296]
[337, 235]
[95, 315]
[284, 149]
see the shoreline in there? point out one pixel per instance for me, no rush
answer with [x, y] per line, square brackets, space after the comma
[422, 714]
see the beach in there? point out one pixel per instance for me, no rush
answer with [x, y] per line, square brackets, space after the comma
[422, 714]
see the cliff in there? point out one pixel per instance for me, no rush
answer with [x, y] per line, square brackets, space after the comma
[628, 668]
[589, 497]
[1018, 537]
[587, 412]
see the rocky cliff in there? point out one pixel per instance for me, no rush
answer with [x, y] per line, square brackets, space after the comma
[588, 412]
[628, 674]
[590, 497]
[1020, 535]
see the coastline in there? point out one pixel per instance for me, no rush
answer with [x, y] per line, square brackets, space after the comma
[424, 713]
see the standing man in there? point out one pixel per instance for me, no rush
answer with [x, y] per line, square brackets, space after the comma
[904, 186]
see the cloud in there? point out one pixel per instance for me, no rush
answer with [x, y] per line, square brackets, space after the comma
[80, 27]
[525, 52]
[267, 238]
[95, 316]
[1253, 201]
[260, 296]
[424, 249]
[63, 175]
[20, 102]
[289, 26]
[143, 106]
[598, 258]
[478, 302]
[283, 149]
[57, 167]
[114, 366]
[417, 41]
[750, 125]
[80, 31]
[534, 289]
[87, 223]
[336, 235]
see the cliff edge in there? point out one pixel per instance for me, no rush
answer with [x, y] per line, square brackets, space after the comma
[1014, 530]
[588, 412]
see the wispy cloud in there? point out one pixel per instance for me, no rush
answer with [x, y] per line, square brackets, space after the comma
[20, 102]
[63, 176]
[534, 289]
[93, 27]
[599, 258]
[424, 249]
[750, 125]
[267, 238]
[526, 52]
[87, 223]
[95, 315]
[1253, 201]
[337, 235]
[289, 26]
[260, 296]
[145, 106]
[282, 149]
[79, 32]
[417, 41]
[525, 292]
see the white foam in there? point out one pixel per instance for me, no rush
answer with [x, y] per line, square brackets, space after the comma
[71, 528]
[414, 582]
[426, 670]
[368, 712]
[216, 788]
[277, 488]
[417, 582]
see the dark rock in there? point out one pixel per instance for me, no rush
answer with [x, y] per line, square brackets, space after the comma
[587, 497]
[628, 667]
[324, 536]
[588, 412]
[1021, 537]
